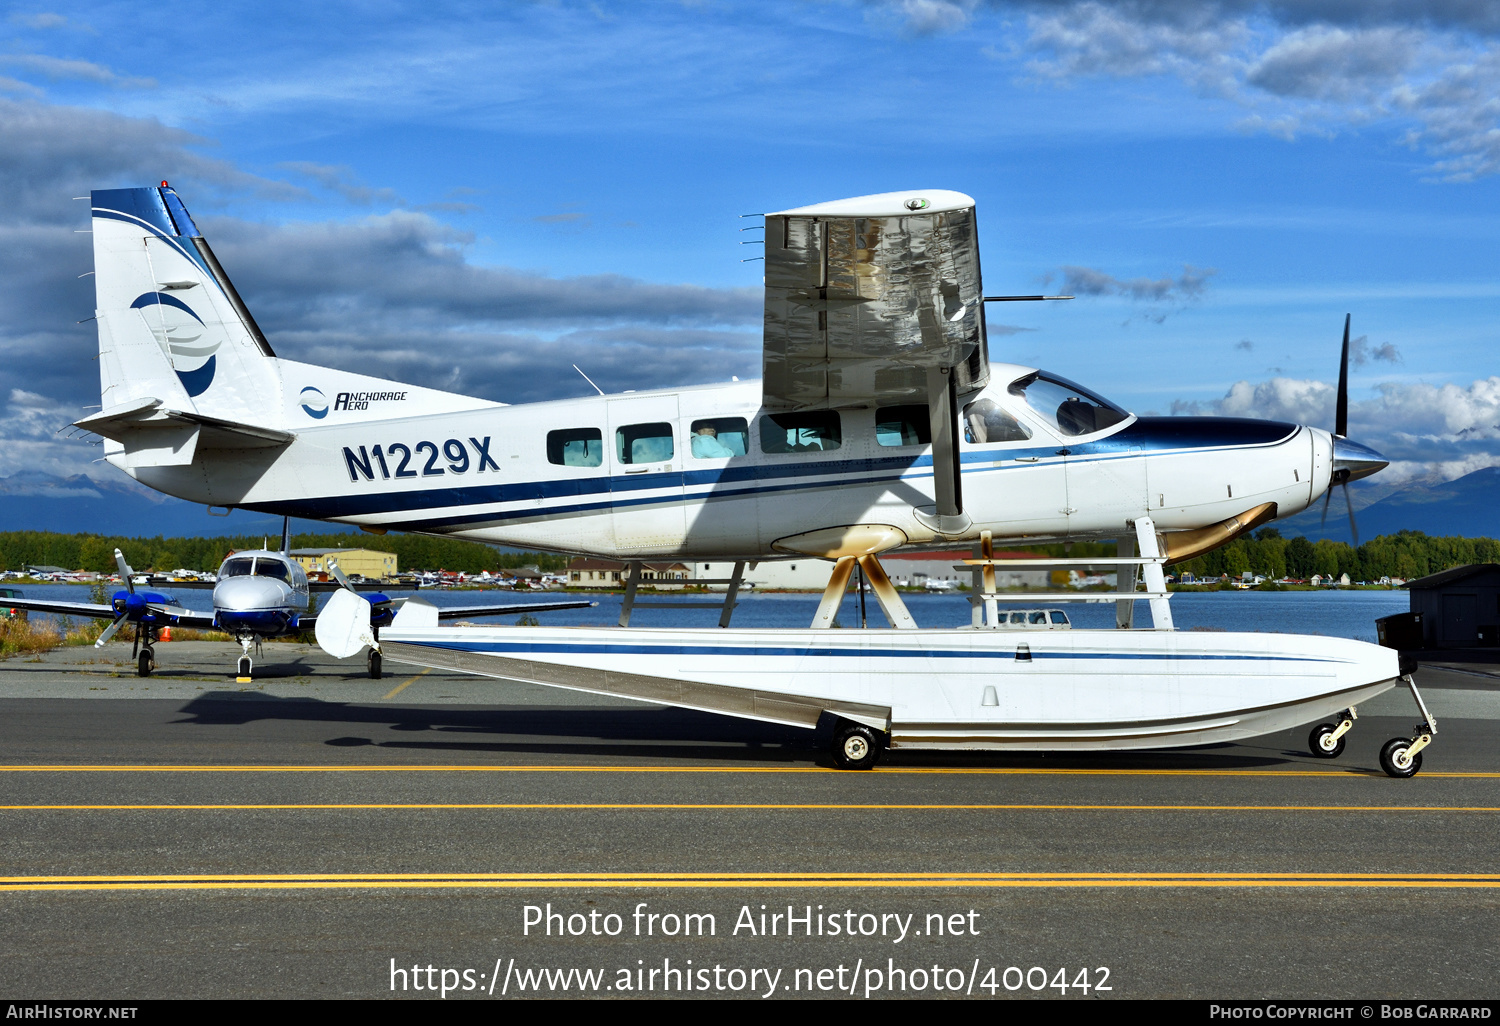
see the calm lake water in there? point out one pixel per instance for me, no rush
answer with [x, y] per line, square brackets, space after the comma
[1341, 614]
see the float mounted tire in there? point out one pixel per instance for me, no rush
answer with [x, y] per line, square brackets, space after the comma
[1317, 742]
[857, 747]
[1396, 748]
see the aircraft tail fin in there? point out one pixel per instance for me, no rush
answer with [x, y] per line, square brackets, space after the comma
[171, 325]
[286, 535]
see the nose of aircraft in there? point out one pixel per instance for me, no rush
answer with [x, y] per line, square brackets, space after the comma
[1352, 461]
[252, 602]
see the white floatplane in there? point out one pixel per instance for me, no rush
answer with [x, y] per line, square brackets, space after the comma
[880, 423]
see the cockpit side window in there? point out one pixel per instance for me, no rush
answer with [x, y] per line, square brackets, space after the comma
[272, 568]
[576, 447]
[237, 568]
[903, 425]
[1074, 409]
[814, 431]
[720, 437]
[987, 421]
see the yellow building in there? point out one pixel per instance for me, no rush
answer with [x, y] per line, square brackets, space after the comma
[367, 563]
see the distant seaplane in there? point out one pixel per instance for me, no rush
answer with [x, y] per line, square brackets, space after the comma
[881, 422]
[259, 594]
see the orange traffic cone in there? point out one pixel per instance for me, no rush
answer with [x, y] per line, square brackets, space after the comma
[166, 634]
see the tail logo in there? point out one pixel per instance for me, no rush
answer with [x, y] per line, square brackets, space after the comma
[314, 403]
[179, 332]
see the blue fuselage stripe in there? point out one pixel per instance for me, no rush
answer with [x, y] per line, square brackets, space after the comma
[527, 647]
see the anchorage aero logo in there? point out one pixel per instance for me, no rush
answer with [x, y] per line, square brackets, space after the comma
[179, 332]
[314, 403]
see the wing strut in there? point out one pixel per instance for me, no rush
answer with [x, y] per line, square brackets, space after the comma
[946, 517]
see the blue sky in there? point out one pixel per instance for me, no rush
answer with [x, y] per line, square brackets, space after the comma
[477, 196]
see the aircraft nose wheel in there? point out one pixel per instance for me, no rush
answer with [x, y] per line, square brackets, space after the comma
[244, 666]
[373, 662]
[857, 747]
[145, 663]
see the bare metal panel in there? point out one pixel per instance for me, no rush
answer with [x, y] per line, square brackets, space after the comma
[794, 710]
[858, 308]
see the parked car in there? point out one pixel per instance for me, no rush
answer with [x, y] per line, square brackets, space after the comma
[9, 612]
[1034, 620]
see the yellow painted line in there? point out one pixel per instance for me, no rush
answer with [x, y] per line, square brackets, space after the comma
[742, 880]
[403, 686]
[878, 771]
[736, 807]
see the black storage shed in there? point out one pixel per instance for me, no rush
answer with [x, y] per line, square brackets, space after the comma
[1460, 607]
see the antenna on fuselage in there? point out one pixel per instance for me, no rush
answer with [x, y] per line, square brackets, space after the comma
[286, 535]
[588, 379]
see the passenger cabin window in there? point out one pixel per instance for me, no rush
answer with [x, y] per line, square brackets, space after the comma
[1059, 617]
[1037, 617]
[720, 437]
[817, 431]
[644, 443]
[986, 421]
[576, 447]
[903, 425]
[1075, 409]
[237, 568]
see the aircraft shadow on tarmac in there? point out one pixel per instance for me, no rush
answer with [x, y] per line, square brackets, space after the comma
[646, 733]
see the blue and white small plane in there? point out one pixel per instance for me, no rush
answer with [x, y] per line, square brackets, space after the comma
[880, 422]
[260, 594]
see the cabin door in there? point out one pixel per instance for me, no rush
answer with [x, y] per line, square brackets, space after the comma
[644, 448]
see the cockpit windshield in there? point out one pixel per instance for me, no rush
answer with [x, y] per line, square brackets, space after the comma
[1074, 409]
[272, 568]
[237, 568]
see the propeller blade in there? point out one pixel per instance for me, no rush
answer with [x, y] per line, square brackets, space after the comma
[109, 632]
[1341, 410]
[338, 575]
[1327, 498]
[125, 572]
[1353, 527]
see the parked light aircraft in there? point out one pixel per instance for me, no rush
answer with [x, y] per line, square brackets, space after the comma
[259, 594]
[880, 422]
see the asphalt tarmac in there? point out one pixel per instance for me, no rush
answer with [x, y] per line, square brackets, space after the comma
[317, 833]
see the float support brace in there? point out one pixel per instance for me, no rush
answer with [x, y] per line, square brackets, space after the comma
[632, 581]
[886, 593]
[1156, 578]
[1126, 576]
[833, 595]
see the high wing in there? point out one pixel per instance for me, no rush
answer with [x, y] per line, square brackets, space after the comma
[180, 617]
[864, 297]
[878, 299]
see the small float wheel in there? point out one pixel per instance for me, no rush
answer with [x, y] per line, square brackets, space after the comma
[144, 663]
[857, 747]
[1321, 743]
[373, 661]
[1395, 760]
[243, 666]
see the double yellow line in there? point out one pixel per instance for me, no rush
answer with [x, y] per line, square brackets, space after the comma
[720, 881]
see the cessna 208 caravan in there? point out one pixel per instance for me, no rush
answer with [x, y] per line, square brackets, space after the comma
[880, 422]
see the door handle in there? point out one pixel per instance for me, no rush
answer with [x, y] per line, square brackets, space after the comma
[1027, 459]
[636, 470]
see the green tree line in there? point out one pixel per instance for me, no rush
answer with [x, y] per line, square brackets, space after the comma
[1406, 554]
[20, 549]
